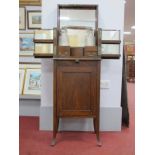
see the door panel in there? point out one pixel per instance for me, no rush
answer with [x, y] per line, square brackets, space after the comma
[76, 90]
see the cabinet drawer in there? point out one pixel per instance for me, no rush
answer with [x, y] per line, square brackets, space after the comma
[90, 51]
[78, 63]
[63, 51]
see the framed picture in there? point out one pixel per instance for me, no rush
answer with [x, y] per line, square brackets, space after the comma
[26, 44]
[34, 19]
[43, 35]
[22, 18]
[43, 48]
[110, 34]
[110, 49]
[32, 82]
[21, 80]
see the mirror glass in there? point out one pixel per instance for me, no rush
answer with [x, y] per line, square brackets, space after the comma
[43, 34]
[110, 49]
[43, 48]
[77, 17]
[110, 35]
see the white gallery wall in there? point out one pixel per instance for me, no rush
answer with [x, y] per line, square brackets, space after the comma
[29, 106]
[111, 16]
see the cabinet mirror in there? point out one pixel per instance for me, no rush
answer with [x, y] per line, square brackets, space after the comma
[42, 48]
[77, 15]
[43, 35]
[110, 35]
[110, 49]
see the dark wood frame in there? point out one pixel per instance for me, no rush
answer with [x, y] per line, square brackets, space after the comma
[47, 41]
[78, 7]
[28, 12]
[111, 41]
[24, 19]
[111, 56]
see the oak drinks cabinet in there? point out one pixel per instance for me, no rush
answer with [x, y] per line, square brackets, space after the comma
[77, 53]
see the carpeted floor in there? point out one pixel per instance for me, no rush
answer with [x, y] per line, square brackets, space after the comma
[35, 142]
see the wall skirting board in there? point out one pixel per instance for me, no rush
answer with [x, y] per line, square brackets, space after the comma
[110, 120]
[29, 107]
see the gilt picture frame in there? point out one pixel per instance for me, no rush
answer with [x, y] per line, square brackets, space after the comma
[32, 82]
[21, 80]
[22, 18]
[34, 19]
[30, 2]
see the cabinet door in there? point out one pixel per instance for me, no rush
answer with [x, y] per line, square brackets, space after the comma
[77, 88]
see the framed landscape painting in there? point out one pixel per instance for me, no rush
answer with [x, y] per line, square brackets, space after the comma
[34, 19]
[22, 18]
[26, 44]
[32, 82]
[21, 80]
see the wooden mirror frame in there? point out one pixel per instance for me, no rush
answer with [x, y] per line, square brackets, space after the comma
[79, 7]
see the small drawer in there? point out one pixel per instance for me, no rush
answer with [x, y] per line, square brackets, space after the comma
[63, 51]
[76, 51]
[90, 51]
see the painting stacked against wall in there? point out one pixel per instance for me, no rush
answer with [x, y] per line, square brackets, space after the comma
[29, 79]
[29, 71]
[29, 20]
[26, 43]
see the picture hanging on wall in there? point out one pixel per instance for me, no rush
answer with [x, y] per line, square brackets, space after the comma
[32, 82]
[21, 80]
[34, 19]
[26, 44]
[22, 18]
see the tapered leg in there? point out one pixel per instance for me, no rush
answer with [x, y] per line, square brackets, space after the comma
[96, 127]
[55, 130]
[94, 121]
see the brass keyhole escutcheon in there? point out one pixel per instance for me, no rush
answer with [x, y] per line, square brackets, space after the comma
[77, 61]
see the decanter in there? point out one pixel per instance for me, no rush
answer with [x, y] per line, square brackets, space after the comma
[90, 39]
[63, 38]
